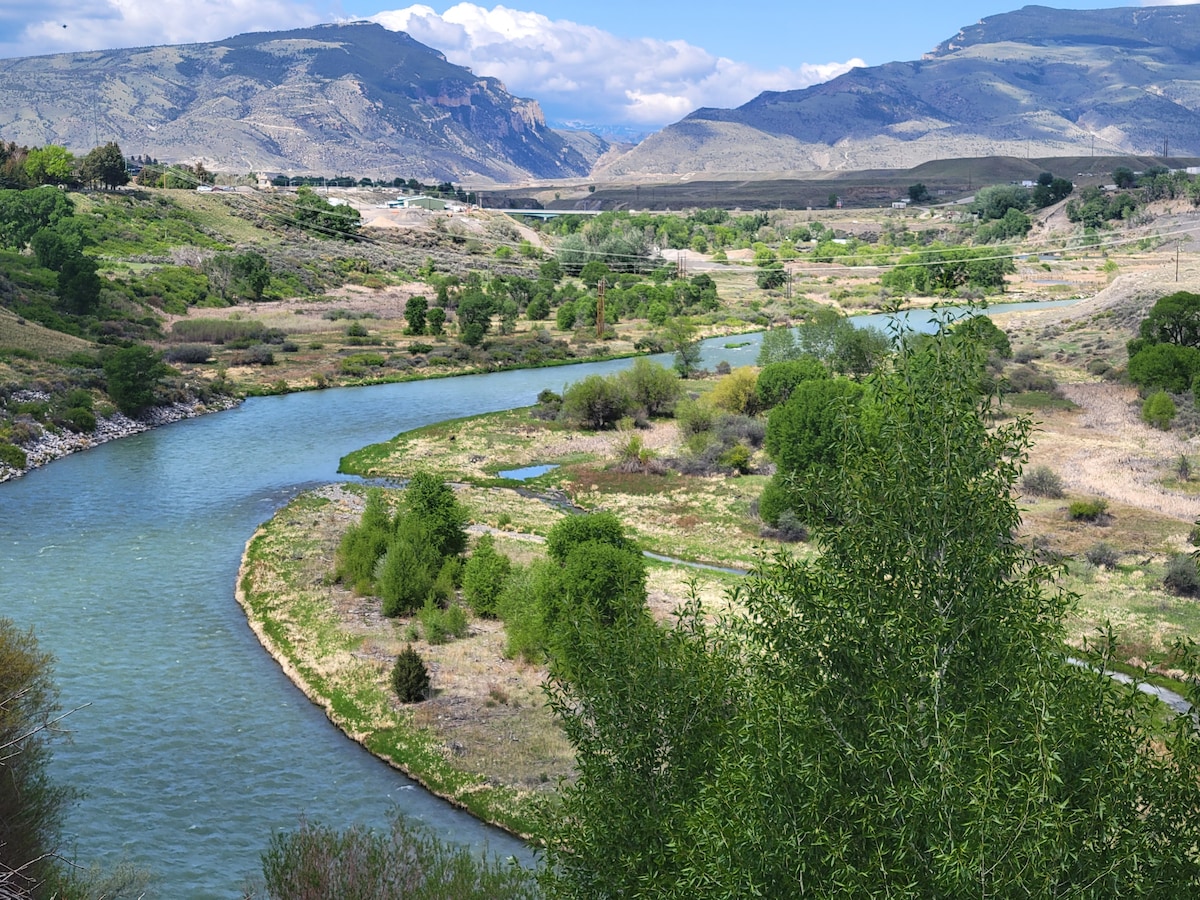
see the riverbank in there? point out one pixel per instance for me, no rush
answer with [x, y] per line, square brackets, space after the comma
[52, 445]
[484, 741]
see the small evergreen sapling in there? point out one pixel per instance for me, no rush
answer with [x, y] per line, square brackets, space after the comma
[410, 677]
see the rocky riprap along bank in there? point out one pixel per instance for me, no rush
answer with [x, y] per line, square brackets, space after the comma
[54, 445]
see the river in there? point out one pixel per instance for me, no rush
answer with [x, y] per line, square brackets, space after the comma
[190, 746]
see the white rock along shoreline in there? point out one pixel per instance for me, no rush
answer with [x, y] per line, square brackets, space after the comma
[51, 445]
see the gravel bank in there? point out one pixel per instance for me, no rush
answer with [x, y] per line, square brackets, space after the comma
[55, 445]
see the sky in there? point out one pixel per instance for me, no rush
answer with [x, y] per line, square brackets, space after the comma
[624, 64]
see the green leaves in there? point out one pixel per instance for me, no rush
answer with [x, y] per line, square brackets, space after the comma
[897, 717]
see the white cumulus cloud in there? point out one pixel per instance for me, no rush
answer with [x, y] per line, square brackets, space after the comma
[60, 26]
[587, 74]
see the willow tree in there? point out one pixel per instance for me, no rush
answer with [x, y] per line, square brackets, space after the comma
[897, 717]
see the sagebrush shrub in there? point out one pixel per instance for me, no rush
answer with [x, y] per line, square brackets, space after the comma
[790, 527]
[188, 353]
[1182, 577]
[1042, 481]
[1103, 555]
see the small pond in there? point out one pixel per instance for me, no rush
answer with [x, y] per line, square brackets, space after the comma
[527, 472]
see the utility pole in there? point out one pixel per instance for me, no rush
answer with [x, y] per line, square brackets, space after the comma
[1177, 243]
[600, 286]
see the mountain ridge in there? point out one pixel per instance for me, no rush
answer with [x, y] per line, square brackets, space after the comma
[350, 97]
[1034, 82]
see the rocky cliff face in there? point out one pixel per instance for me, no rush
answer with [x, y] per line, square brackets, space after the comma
[352, 98]
[1035, 82]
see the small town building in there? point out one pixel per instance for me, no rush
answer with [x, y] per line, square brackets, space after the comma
[421, 202]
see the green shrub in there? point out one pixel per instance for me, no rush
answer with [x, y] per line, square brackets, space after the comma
[405, 574]
[1182, 577]
[777, 380]
[79, 398]
[695, 418]
[596, 402]
[132, 374]
[484, 576]
[737, 392]
[737, 458]
[1164, 366]
[410, 677]
[449, 576]
[355, 363]
[806, 431]
[601, 527]
[362, 545]
[433, 502]
[520, 608]
[12, 456]
[455, 620]
[1042, 481]
[776, 498]
[79, 420]
[433, 622]
[651, 387]
[1159, 410]
[1087, 510]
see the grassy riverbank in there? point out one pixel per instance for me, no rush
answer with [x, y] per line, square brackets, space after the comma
[338, 650]
[485, 740]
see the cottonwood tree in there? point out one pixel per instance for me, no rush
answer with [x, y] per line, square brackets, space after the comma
[50, 165]
[897, 717]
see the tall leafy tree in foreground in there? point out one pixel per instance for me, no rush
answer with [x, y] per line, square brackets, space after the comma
[897, 717]
[31, 807]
